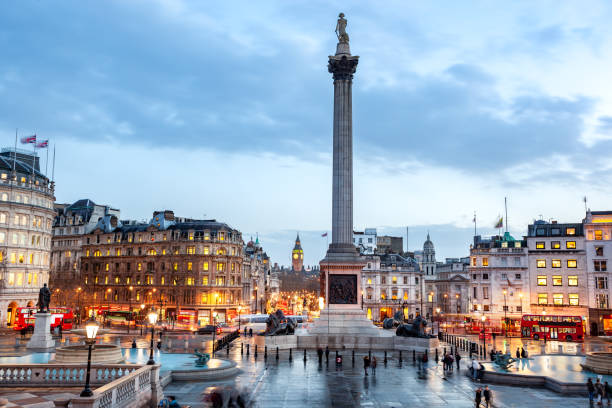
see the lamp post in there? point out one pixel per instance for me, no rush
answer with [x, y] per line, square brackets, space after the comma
[152, 316]
[238, 309]
[108, 291]
[484, 334]
[214, 316]
[91, 329]
[438, 312]
[78, 316]
[431, 295]
[444, 304]
[505, 312]
[361, 299]
[131, 288]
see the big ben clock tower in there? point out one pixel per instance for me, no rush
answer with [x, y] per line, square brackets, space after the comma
[297, 255]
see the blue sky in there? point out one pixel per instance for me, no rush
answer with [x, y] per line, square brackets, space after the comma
[224, 110]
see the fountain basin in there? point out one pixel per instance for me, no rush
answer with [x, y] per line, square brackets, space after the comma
[215, 368]
[100, 354]
[598, 362]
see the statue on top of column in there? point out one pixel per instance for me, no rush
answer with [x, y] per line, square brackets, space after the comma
[341, 29]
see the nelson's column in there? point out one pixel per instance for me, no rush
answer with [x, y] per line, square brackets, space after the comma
[341, 268]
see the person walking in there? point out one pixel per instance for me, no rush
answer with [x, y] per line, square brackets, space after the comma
[475, 368]
[457, 359]
[599, 390]
[607, 392]
[251, 332]
[523, 352]
[487, 396]
[591, 390]
[373, 365]
[518, 353]
[366, 364]
[478, 397]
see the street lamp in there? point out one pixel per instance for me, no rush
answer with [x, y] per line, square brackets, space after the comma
[484, 334]
[214, 316]
[108, 291]
[239, 310]
[505, 312]
[131, 288]
[91, 329]
[438, 312]
[361, 299]
[444, 305]
[152, 316]
[431, 295]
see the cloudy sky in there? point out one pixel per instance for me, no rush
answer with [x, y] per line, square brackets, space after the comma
[223, 110]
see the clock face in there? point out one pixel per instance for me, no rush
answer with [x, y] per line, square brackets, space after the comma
[301, 256]
[295, 256]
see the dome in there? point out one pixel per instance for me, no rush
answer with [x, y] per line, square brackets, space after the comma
[428, 244]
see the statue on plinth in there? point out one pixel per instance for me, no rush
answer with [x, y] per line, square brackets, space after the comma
[277, 324]
[44, 299]
[414, 329]
[341, 29]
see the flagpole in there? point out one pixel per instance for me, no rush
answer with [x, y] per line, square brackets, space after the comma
[475, 223]
[47, 162]
[53, 171]
[506, 205]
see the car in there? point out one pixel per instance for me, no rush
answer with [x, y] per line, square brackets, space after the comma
[208, 329]
[225, 327]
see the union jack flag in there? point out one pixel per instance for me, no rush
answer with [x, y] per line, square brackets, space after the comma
[43, 144]
[28, 139]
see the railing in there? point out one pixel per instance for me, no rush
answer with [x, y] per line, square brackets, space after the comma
[36, 375]
[225, 340]
[140, 388]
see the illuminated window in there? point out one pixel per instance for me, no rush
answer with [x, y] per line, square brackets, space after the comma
[191, 250]
[19, 279]
[205, 266]
[152, 252]
[556, 263]
[11, 278]
[118, 252]
[542, 298]
[600, 266]
[163, 280]
[98, 253]
[221, 236]
[189, 266]
[504, 244]
[570, 245]
[572, 263]
[485, 261]
[555, 245]
[189, 281]
[206, 236]
[558, 299]
[220, 281]
[383, 295]
[574, 300]
[405, 295]
[598, 235]
[394, 279]
[87, 253]
[369, 281]
[473, 261]
[219, 266]
[108, 252]
[572, 281]
[175, 266]
[233, 266]
[542, 280]
[204, 298]
[191, 236]
[570, 231]
[106, 280]
[139, 267]
[517, 244]
[106, 267]
[68, 253]
[205, 280]
[541, 263]
[557, 280]
[540, 245]
[206, 250]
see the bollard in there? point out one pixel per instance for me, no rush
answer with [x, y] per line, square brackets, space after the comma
[413, 356]
[336, 353]
[227, 349]
[265, 352]
[353, 357]
[241, 348]
[290, 354]
[256, 351]
[277, 352]
[304, 355]
[400, 357]
[248, 349]
[437, 358]
[385, 360]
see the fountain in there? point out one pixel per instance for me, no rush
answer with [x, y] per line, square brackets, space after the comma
[598, 362]
[101, 353]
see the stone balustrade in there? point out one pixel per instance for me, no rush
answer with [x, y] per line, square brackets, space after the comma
[69, 375]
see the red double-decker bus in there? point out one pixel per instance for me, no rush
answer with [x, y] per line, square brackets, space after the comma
[551, 327]
[26, 317]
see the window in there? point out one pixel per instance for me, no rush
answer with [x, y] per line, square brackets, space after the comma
[556, 263]
[189, 266]
[504, 244]
[598, 235]
[557, 280]
[555, 245]
[473, 261]
[572, 263]
[558, 299]
[504, 261]
[205, 266]
[540, 245]
[394, 280]
[189, 281]
[542, 298]
[174, 266]
[572, 280]
[574, 299]
[570, 231]
[570, 244]
[601, 282]
[555, 231]
[383, 280]
[485, 276]
[485, 261]
[517, 276]
[485, 292]
[219, 267]
[369, 281]
[600, 266]
[541, 263]
[405, 280]
[542, 280]
[517, 260]
[190, 250]
[206, 250]
[504, 276]
[152, 252]
[517, 244]
[598, 250]
[205, 280]
[601, 300]
[474, 276]
[475, 292]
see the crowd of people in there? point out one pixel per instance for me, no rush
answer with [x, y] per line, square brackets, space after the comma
[598, 391]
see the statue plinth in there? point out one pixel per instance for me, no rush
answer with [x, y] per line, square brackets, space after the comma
[42, 339]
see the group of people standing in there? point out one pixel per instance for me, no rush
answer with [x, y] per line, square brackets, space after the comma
[598, 391]
[448, 360]
[480, 394]
[369, 363]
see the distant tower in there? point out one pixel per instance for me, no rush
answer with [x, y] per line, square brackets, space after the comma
[428, 264]
[297, 255]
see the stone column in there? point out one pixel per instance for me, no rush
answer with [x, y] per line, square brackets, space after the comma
[342, 65]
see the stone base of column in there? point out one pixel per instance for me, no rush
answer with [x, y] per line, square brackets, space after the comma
[346, 321]
[42, 339]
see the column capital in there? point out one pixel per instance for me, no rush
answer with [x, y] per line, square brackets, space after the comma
[343, 67]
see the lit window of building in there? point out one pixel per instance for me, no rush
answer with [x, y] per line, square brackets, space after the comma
[541, 263]
[542, 280]
[542, 298]
[557, 298]
[556, 263]
[572, 263]
[557, 280]
[574, 299]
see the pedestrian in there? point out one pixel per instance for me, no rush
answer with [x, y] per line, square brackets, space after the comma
[487, 396]
[450, 362]
[326, 353]
[591, 389]
[518, 353]
[245, 332]
[457, 359]
[366, 364]
[475, 368]
[251, 332]
[492, 353]
[523, 352]
[373, 365]
[173, 402]
[320, 354]
[607, 391]
[478, 397]
[599, 390]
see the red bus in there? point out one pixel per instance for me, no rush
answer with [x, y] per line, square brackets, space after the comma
[551, 327]
[26, 316]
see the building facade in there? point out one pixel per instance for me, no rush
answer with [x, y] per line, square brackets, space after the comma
[26, 216]
[557, 269]
[256, 278]
[386, 244]
[72, 222]
[191, 270]
[499, 280]
[366, 241]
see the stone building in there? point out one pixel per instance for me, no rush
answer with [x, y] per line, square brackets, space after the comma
[191, 270]
[499, 279]
[365, 241]
[557, 269]
[256, 274]
[72, 222]
[386, 244]
[391, 282]
[452, 288]
[26, 216]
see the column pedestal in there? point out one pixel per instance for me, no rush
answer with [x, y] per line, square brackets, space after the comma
[41, 339]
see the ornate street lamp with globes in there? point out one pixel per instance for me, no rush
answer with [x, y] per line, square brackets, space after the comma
[152, 316]
[91, 330]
